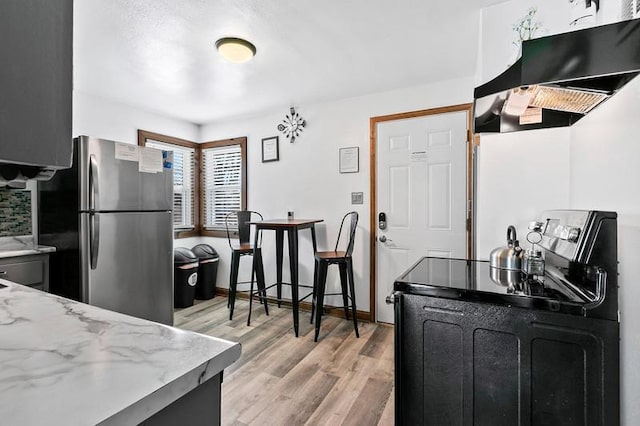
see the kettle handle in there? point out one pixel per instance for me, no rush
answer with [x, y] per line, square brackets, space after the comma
[511, 235]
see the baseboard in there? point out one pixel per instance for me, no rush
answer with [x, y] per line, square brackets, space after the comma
[334, 311]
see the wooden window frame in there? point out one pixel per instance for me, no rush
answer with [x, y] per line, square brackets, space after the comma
[242, 142]
[143, 135]
[198, 202]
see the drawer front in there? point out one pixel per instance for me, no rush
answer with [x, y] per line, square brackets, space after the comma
[26, 273]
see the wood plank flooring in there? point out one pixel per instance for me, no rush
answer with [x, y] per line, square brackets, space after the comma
[283, 380]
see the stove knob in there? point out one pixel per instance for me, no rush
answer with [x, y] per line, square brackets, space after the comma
[536, 226]
[573, 235]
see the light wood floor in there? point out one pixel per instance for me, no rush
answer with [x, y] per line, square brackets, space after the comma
[283, 380]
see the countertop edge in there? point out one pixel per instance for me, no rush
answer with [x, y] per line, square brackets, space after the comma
[5, 253]
[171, 392]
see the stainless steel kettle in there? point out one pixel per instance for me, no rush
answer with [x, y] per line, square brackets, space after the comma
[509, 257]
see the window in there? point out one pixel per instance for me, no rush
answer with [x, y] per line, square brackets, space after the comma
[224, 182]
[183, 183]
[219, 184]
[185, 179]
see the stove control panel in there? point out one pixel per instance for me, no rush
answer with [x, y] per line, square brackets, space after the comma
[566, 232]
[562, 230]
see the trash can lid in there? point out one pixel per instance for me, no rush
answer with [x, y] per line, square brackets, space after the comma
[204, 251]
[182, 255]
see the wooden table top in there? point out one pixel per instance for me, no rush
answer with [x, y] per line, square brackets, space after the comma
[286, 223]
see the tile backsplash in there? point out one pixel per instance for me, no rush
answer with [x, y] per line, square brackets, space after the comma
[15, 212]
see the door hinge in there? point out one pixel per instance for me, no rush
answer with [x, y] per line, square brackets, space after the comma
[468, 224]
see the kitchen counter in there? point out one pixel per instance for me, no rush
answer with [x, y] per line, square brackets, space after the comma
[21, 246]
[26, 251]
[65, 362]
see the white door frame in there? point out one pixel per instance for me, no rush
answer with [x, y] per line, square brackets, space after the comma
[373, 124]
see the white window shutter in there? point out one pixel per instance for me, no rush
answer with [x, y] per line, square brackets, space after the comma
[183, 183]
[222, 183]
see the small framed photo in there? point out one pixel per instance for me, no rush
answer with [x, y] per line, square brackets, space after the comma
[270, 149]
[349, 160]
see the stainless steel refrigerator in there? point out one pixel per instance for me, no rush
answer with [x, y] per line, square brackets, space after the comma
[110, 218]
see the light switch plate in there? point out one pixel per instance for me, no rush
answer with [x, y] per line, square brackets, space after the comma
[357, 198]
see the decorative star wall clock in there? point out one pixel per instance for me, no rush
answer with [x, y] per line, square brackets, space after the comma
[292, 125]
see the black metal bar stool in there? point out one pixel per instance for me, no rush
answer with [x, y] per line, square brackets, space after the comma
[343, 259]
[237, 223]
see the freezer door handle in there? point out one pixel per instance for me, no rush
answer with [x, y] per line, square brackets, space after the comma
[94, 184]
[94, 238]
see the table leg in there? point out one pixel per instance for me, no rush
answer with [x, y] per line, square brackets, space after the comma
[279, 250]
[313, 239]
[293, 266]
[315, 270]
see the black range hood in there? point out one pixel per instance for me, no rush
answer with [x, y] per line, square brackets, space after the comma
[558, 79]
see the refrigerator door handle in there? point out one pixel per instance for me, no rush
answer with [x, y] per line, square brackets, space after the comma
[94, 239]
[94, 186]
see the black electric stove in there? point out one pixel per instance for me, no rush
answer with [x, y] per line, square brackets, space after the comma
[471, 280]
[580, 278]
[473, 348]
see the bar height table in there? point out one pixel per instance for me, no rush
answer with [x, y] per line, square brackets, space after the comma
[292, 226]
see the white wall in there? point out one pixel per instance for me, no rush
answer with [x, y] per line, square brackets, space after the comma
[306, 179]
[519, 175]
[605, 175]
[106, 119]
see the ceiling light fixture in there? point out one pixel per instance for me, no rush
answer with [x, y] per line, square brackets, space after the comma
[235, 50]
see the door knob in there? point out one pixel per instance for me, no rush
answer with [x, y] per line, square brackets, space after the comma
[392, 298]
[383, 238]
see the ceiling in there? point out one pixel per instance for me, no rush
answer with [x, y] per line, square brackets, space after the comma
[159, 55]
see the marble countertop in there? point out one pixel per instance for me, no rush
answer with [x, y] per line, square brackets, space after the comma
[65, 362]
[21, 246]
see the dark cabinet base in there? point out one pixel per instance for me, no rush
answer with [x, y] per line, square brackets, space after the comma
[468, 363]
[199, 407]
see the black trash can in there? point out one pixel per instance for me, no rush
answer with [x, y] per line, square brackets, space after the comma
[185, 277]
[207, 271]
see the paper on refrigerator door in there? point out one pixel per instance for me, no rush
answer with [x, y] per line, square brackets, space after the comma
[150, 160]
[127, 152]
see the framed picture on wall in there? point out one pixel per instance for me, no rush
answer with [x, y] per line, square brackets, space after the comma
[349, 160]
[270, 149]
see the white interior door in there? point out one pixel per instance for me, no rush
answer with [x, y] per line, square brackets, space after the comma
[421, 188]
